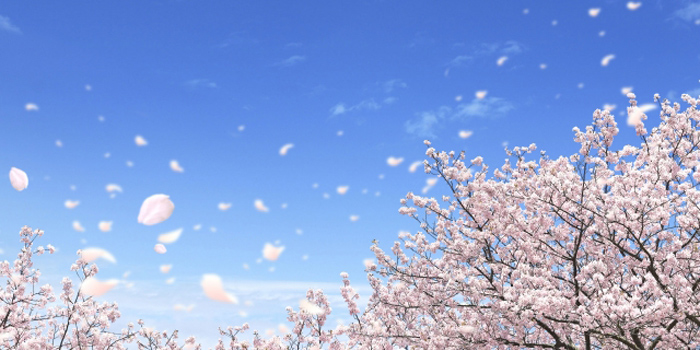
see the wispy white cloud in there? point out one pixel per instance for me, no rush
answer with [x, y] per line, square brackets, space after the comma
[196, 83]
[291, 61]
[7, 26]
[427, 123]
[689, 13]
[510, 47]
[459, 60]
[237, 39]
[485, 107]
[393, 84]
[341, 108]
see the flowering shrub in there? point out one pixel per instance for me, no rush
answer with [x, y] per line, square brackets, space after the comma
[598, 250]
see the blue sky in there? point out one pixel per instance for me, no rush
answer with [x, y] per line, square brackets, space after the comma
[222, 86]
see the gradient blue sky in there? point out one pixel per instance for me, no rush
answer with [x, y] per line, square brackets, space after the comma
[349, 83]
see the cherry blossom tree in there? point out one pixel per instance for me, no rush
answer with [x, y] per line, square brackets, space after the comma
[595, 251]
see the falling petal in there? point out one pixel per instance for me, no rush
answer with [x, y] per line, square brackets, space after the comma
[59, 143]
[155, 209]
[165, 268]
[593, 12]
[272, 253]
[113, 188]
[77, 226]
[224, 206]
[282, 328]
[458, 98]
[414, 166]
[197, 227]
[633, 5]
[105, 226]
[92, 254]
[214, 289]
[339, 133]
[140, 141]
[481, 94]
[604, 62]
[502, 60]
[354, 218]
[160, 249]
[601, 33]
[462, 134]
[175, 166]
[394, 161]
[94, 287]
[129, 163]
[626, 90]
[636, 115]
[342, 189]
[285, 148]
[260, 206]
[126, 274]
[543, 66]
[18, 179]
[71, 204]
[170, 280]
[170, 237]
[31, 107]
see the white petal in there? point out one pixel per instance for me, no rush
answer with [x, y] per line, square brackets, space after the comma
[92, 254]
[633, 5]
[93, 286]
[214, 289]
[414, 166]
[113, 188]
[165, 268]
[626, 90]
[272, 253]
[155, 209]
[224, 206]
[342, 189]
[71, 204]
[170, 237]
[140, 141]
[105, 226]
[502, 60]
[197, 227]
[285, 148]
[77, 226]
[160, 249]
[637, 113]
[18, 179]
[31, 107]
[170, 280]
[481, 94]
[354, 218]
[175, 166]
[394, 161]
[604, 62]
[463, 134]
[593, 12]
[260, 206]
